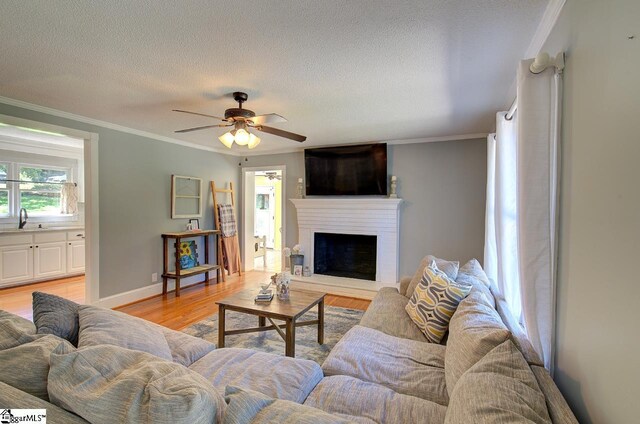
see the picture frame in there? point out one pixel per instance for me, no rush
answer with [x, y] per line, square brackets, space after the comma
[195, 224]
[186, 197]
[297, 270]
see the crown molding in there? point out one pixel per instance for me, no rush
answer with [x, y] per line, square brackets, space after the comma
[390, 142]
[548, 21]
[546, 25]
[109, 125]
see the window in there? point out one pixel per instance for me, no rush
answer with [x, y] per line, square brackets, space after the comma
[34, 183]
[42, 196]
[4, 190]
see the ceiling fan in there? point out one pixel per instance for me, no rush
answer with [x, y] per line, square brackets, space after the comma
[272, 175]
[241, 120]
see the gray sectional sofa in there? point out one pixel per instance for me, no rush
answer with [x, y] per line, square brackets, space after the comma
[123, 369]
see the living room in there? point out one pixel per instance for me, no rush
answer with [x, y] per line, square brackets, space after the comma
[433, 81]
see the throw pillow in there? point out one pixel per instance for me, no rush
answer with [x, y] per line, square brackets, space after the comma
[55, 315]
[448, 267]
[434, 301]
[247, 406]
[26, 366]
[473, 274]
[99, 326]
[500, 388]
[110, 384]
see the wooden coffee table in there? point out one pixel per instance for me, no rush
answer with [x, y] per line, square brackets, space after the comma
[288, 311]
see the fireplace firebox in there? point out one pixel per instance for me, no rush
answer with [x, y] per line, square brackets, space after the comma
[345, 255]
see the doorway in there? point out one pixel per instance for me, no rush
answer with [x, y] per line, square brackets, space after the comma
[263, 218]
[50, 176]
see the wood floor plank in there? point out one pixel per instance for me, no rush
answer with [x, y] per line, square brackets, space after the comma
[194, 304]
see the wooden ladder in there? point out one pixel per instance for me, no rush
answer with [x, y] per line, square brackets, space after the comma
[216, 215]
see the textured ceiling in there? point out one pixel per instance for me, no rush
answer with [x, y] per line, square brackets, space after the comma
[341, 71]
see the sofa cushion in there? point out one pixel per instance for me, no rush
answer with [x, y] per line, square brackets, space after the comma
[247, 406]
[448, 267]
[16, 398]
[185, 349]
[557, 406]
[26, 366]
[500, 388]
[386, 314]
[472, 274]
[475, 329]
[273, 375]
[100, 326]
[15, 330]
[405, 366]
[107, 384]
[434, 301]
[55, 315]
[350, 397]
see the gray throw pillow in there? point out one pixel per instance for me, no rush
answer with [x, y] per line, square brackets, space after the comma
[99, 326]
[500, 388]
[110, 384]
[55, 315]
[26, 366]
[448, 267]
[246, 406]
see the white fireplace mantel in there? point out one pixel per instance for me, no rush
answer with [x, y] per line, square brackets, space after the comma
[343, 215]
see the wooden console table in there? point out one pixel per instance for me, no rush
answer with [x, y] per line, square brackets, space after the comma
[183, 273]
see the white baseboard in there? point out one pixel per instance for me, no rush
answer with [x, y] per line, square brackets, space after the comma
[139, 294]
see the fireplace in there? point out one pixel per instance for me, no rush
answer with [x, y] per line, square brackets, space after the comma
[376, 220]
[345, 255]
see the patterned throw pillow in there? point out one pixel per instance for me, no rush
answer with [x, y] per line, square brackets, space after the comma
[434, 301]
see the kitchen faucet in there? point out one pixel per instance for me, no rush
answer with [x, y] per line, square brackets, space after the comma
[22, 222]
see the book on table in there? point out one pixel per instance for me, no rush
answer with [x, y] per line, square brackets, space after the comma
[264, 296]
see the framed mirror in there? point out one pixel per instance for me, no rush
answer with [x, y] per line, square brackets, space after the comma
[186, 197]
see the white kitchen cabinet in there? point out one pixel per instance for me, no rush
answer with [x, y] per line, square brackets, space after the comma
[16, 264]
[32, 256]
[50, 259]
[75, 257]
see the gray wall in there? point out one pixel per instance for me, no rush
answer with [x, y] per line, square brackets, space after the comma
[135, 185]
[598, 348]
[443, 186]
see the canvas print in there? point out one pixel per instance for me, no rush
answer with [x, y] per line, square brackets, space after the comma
[188, 255]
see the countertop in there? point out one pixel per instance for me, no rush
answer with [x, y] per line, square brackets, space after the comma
[42, 230]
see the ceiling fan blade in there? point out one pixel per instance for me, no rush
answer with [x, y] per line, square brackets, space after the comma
[201, 128]
[269, 118]
[200, 114]
[281, 133]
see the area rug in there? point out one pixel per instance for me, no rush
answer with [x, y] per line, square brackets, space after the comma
[337, 321]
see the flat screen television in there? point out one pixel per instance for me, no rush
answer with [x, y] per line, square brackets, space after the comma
[346, 170]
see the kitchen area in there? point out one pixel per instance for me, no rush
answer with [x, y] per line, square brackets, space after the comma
[42, 231]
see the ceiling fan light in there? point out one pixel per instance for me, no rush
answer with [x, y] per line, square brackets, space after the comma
[253, 141]
[226, 139]
[242, 137]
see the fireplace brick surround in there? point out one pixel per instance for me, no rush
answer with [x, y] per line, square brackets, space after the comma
[379, 217]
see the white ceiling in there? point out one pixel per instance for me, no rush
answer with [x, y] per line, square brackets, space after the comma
[341, 71]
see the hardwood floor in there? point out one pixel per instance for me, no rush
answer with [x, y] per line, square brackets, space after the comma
[17, 300]
[198, 302]
[194, 304]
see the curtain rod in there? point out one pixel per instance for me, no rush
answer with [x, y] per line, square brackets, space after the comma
[34, 182]
[512, 110]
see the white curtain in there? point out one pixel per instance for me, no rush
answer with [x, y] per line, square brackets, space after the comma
[522, 206]
[501, 226]
[539, 100]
